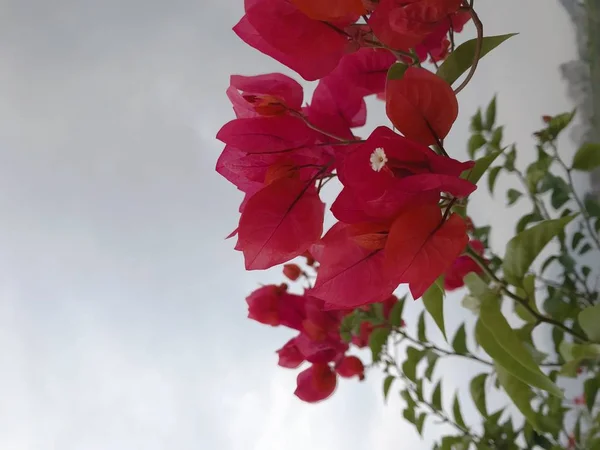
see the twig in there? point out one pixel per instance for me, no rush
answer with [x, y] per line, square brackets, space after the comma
[478, 48]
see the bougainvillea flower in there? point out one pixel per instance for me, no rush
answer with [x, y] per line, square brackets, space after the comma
[315, 383]
[403, 24]
[350, 366]
[321, 351]
[273, 305]
[421, 246]
[266, 134]
[292, 271]
[280, 222]
[279, 29]
[464, 264]
[364, 71]
[331, 10]
[387, 172]
[421, 105]
[353, 271]
[437, 45]
[289, 355]
[271, 94]
[361, 339]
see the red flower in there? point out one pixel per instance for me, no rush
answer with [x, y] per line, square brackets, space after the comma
[280, 222]
[388, 172]
[436, 45]
[461, 266]
[421, 105]
[279, 29]
[580, 400]
[292, 271]
[265, 95]
[315, 383]
[330, 10]
[421, 246]
[350, 366]
[289, 355]
[362, 339]
[403, 24]
[273, 305]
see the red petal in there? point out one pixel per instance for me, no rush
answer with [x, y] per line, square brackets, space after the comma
[351, 275]
[315, 383]
[280, 222]
[330, 10]
[420, 247]
[350, 366]
[274, 84]
[277, 28]
[289, 355]
[266, 134]
[421, 105]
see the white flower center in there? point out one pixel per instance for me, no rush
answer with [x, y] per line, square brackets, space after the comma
[378, 159]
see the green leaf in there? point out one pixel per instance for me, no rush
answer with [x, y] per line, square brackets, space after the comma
[586, 248]
[559, 123]
[396, 71]
[587, 157]
[513, 356]
[524, 248]
[477, 388]
[421, 327]
[538, 169]
[461, 59]
[459, 343]
[409, 367]
[377, 341]
[481, 165]
[433, 300]
[475, 143]
[458, 418]
[511, 157]
[490, 114]
[436, 398]
[513, 195]
[577, 237]
[590, 391]
[432, 359]
[387, 384]
[492, 177]
[520, 394]
[497, 137]
[527, 219]
[477, 122]
[420, 423]
[395, 317]
[589, 321]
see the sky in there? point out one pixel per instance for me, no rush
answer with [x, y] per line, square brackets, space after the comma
[122, 316]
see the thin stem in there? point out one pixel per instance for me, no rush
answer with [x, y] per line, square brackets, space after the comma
[441, 350]
[582, 208]
[540, 317]
[478, 48]
[317, 129]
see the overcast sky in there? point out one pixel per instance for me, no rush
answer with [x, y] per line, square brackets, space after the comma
[122, 315]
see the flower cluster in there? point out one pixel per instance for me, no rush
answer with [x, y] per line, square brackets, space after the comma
[396, 222]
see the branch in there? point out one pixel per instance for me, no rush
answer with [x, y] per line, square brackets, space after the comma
[478, 48]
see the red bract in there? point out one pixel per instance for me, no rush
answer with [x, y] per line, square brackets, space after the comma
[292, 271]
[388, 172]
[280, 222]
[330, 10]
[321, 351]
[273, 305]
[436, 45]
[421, 105]
[352, 271]
[403, 24]
[349, 367]
[265, 95]
[315, 383]
[279, 29]
[289, 355]
[453, 278]
[421, 246]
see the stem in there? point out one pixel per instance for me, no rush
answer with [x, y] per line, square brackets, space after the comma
[576, 197]
[441, 350]
[478, 48]
[317, 129]
[540, 317]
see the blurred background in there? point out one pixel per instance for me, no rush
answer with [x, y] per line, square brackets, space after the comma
[122, 314]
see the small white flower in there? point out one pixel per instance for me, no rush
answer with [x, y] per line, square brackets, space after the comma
[378, 159]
